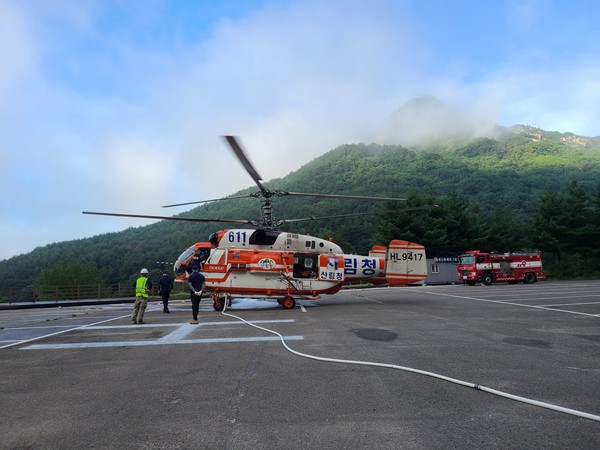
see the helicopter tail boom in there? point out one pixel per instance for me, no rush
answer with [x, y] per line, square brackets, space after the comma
[405, 263]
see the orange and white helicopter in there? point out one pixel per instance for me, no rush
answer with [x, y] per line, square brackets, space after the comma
[264, 262]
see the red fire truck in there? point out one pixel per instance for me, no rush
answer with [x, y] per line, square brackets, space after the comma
[476, 266]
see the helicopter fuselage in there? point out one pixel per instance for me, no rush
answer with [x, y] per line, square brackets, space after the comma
[281, 265]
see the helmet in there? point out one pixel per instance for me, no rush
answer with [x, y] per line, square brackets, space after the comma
[144, 271]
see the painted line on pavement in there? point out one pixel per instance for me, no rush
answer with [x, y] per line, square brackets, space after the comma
[500, 302]
[175, 337]
[179, 324]
[157, 342]
[61, 332]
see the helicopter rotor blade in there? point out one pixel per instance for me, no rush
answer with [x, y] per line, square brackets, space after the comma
[211, 200]
[357, 197]
[337, 216]
[182, 219]
[266, 193]
[241, 155]
[286, 193]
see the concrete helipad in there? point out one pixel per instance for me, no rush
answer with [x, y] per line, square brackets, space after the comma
[85, 377]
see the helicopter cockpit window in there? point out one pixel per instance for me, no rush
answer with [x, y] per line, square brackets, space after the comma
[181, 264]
[186, 255]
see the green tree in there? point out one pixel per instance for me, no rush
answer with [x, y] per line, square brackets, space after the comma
[448, 229]
[462, 223]
[577, 219]
[547, 224]
[503, 231]
[594, 244]
[69, 273]
[567, 231]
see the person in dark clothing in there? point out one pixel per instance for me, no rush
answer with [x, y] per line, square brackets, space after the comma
[165, 286]
[196, 285]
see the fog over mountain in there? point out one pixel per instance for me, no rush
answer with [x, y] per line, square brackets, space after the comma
[425, 120]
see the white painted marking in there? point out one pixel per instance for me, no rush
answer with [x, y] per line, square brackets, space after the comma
[513, 304]
[40, 328]
[571, 304]
[175, 337]
[552, 295]
[134, 327]
[61, 332]
[159, 325]
[536, 299]
[179, 334]
[156, 342]
[302, 308]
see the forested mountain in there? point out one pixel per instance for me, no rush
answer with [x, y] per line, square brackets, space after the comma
[523, 189]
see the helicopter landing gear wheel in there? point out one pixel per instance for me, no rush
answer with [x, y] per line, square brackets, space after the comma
[288, 303]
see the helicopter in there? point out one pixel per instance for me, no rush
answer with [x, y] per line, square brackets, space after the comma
[265, 262]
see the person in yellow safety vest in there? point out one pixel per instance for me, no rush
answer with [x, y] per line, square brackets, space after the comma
[142, 290]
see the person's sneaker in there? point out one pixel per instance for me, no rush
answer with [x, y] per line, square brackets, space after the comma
[134, 322]
[167, 311]
[194, 322]
[141, 322]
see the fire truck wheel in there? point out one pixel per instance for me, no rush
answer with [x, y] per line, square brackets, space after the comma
[529, 278]
[218, 303]
[288, 303]
[487, 279]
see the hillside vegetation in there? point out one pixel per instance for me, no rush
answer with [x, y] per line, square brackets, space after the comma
[525, 189]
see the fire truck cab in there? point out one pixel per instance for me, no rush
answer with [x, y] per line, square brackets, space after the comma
[474, 266]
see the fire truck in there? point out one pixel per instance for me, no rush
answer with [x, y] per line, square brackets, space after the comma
[476, 266]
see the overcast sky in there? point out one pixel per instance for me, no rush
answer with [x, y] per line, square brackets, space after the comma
[117, 106]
